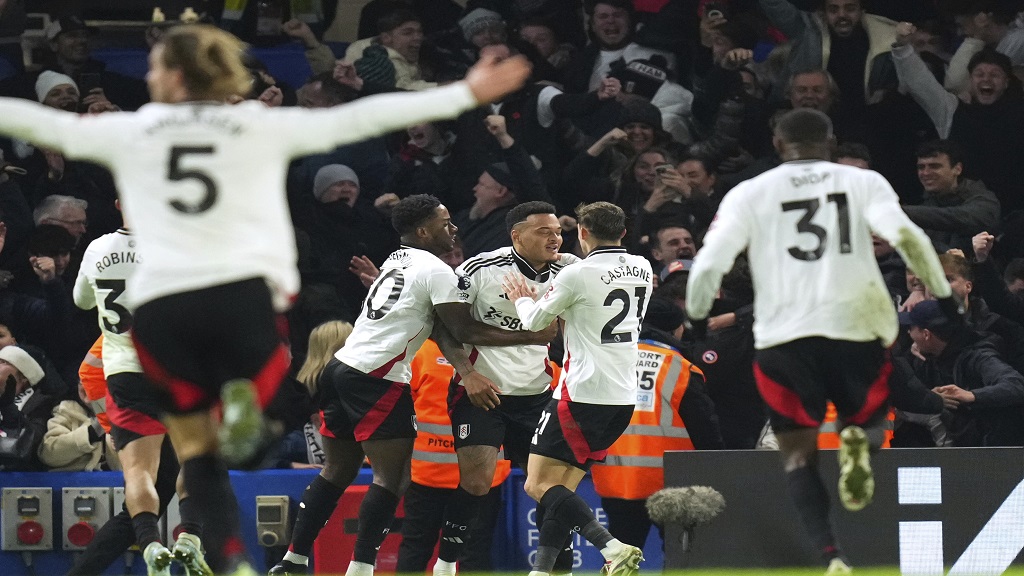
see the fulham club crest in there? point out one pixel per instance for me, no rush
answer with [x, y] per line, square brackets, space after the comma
[463, 431]
[710, 357]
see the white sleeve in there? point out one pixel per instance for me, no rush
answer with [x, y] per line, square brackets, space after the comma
[728, 236]
[311, 131]
[536, 315]
[468, 287]
[442, 285]
[957, 78]
[83, 293]
[885, 217]
[545, 115]
[77, 137]
[925, 89]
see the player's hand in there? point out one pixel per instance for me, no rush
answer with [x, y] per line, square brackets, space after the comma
[385, 202]
[546, 335]
[567, 223]
[481, 391]
[364, 268]
[515, 286]
[44, 267]
[491, 78]
[982, 243]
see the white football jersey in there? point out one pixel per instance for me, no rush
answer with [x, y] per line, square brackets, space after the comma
[109, 262]
[806, 227]
[603, 299]
[202, 184]
[398, 314]
[517, 370]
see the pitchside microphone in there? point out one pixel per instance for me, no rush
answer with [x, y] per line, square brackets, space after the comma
[687, 507]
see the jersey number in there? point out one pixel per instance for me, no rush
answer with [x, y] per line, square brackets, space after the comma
[608, 336]
[175, 173]
[396, 291]
[124, 317]
[804, 225]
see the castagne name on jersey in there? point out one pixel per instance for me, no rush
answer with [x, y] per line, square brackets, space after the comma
[624, 271]
[113, 258]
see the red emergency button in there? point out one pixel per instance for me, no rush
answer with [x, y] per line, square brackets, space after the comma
[30, 533]
[81, 534]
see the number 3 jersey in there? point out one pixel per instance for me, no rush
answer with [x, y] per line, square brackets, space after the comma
[109, 262]
[603, 299]
[517, 370]
[398, 314]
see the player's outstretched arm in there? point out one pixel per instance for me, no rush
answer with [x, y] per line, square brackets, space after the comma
[456, 316]
[35, 123]
[491, 79]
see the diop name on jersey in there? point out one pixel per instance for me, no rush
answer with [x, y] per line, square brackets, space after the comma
[623, 271]
[117, 258]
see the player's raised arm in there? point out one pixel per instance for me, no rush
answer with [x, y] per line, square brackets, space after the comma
[489, 80]
[727, 237]
[37, 124]
[887, 219]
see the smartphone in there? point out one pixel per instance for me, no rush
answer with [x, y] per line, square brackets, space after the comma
[714, 10]
[662, 168]
[87, 82]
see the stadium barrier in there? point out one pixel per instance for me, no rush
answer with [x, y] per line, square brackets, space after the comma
[933, 508]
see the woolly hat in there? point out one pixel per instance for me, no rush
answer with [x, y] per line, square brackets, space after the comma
[501, 174]
[641, 77]
[376, 69]
[48, 80]
[478, 20]
[641, 111]
[663, 314]
[24, 362]
[328, 175]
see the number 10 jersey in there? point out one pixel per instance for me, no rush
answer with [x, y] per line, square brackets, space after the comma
[398, 314]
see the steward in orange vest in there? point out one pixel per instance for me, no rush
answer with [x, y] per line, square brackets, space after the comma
[435, 472]
[673, 412]
[90, 373]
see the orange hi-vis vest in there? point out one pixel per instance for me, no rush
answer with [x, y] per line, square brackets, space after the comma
[434, 462]
[95, 383]
[828, 433]
[633, 469]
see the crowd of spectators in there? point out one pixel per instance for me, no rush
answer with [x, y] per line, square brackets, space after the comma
[659, 107]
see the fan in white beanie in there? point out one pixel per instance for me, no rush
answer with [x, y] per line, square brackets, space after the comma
[24, 362]
[48, 80]
[330, 175]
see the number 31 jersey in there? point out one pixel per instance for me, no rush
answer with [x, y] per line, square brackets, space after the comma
[807, 228]
[109, 262]
[517, 370]
[603, 299]
[398, 314]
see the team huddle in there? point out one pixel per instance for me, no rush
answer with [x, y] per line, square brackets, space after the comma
[190, 324]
